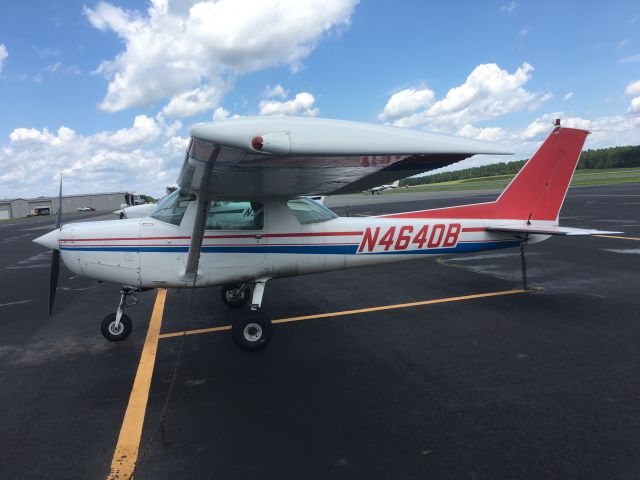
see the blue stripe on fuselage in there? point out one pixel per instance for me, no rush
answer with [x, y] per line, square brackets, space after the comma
[303, 249]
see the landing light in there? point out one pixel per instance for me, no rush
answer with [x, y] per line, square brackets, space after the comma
[257, 143]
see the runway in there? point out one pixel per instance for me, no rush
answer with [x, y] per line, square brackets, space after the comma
[438, 368]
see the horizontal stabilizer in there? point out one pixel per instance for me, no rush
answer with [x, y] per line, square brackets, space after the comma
[546, 230]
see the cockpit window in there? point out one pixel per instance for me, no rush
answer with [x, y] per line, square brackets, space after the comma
[172, 208]
[236, 215]
[307, 211]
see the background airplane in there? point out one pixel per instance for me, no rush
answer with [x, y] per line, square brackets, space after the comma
[240, 217]
[382, 188]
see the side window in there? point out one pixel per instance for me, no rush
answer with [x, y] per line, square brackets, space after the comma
[238, 215]
[307, 211]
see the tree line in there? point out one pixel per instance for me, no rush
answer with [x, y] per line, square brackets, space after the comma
[612, 157]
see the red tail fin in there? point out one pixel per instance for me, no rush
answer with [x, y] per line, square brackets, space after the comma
[536, 192]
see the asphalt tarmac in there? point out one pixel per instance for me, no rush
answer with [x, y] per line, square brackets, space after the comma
[538, 384]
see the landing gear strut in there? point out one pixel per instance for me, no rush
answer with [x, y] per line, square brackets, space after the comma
[117, 326]
[253, 330]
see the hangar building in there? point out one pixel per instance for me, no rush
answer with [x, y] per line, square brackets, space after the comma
[23, 207]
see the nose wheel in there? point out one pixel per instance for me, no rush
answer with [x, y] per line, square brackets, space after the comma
[117, 326]
[116, 331]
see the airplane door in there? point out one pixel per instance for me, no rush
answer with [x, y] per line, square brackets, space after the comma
[235, 234]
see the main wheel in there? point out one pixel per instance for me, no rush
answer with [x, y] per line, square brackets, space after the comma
[233, 298]
[252, 331]
[113, 333]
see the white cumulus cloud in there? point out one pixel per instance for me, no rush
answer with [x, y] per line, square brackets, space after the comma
[302, 105]
[3, 55]
[633, 89]
[487, 93]
[406, 102]
[146, 155]
[617, 130]
[194, 101]
[275, 92]
[489, 134]
[169, 51]
[568, 96]
[220, 114]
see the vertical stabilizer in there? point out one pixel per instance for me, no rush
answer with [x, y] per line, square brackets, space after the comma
[537, 191]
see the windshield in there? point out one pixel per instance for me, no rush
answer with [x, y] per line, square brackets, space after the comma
[172, 208]
[307, 211]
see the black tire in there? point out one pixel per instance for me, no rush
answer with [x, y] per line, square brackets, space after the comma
[237, 301]
[107, 327]
[252, 331]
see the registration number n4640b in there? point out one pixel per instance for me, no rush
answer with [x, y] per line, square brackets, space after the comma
[409, 237]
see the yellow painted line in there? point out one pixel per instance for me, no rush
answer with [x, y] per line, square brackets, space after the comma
[126, 452]
[355, 312]
[614, 236]
[196, 332]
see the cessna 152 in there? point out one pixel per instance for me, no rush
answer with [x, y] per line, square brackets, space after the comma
[240, 216]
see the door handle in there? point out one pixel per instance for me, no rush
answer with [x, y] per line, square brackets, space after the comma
[258, 236]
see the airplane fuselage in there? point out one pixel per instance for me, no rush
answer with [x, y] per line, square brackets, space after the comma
[149, 253]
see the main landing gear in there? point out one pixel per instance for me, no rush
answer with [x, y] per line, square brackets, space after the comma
[253, 330]
[117, 326]
[235, 296]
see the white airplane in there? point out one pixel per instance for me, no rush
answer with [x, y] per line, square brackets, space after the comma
[382, 188]
[240, 217]
[136, 211]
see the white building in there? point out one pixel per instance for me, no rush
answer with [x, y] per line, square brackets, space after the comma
[23, 207]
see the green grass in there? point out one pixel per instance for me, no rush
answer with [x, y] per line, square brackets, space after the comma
[581, 177]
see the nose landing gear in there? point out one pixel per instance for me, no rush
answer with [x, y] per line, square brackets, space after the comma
[117, 326]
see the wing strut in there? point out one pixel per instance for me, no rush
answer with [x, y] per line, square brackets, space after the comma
[199, 225]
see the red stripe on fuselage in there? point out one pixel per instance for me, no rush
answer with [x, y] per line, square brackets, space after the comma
[252, 235]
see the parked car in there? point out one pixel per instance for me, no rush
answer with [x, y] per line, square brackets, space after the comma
[85, 209]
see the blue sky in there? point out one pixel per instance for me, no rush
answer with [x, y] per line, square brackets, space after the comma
[106, 92]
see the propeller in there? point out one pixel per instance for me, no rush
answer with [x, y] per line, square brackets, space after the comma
[55, 256]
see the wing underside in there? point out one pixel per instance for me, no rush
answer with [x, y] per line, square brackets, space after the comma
[289, 157]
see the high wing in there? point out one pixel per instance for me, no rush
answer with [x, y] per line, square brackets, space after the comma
[257, 157]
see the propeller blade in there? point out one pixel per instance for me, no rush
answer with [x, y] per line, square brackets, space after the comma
[59, 212]
[55, 256]
[53, 277]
